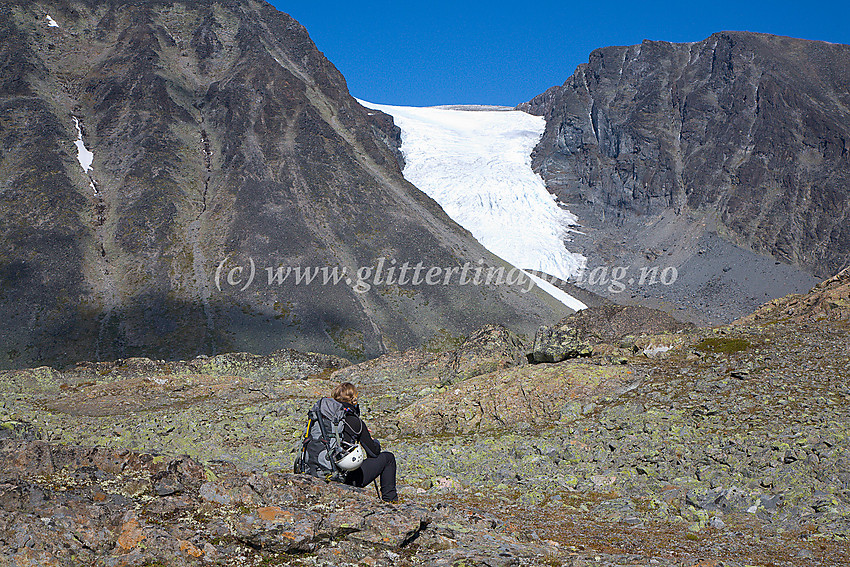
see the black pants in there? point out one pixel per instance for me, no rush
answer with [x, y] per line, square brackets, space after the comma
[383, 465]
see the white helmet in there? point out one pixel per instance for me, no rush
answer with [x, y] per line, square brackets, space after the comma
[351, 459]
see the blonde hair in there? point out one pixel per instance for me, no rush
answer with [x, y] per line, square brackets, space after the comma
[345, 393]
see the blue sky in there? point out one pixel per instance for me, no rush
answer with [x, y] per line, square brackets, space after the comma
[455, 52]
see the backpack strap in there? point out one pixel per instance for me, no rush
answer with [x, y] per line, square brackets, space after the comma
[339, 423]
[349, 411]
[301, 461]
[310, 420]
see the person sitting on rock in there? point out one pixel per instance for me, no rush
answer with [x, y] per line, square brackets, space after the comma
[378, 463]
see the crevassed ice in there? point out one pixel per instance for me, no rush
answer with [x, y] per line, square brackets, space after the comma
[51, 22]
[477, 166]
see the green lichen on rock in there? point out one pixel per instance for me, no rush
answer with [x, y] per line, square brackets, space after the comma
[725, 345]
[350, 341]
[518, 397]
[672, 444]
[488, 349]
[443, 341]
[559, 343]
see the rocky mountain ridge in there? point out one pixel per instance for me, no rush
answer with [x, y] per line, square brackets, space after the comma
[749, 125]
[167, 165]
[725, 159]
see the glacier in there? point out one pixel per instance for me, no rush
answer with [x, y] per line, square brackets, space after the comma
[477, 165]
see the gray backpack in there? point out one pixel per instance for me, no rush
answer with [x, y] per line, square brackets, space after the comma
[321, 442]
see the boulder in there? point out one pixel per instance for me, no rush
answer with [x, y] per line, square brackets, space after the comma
[559, 343]
[67, 505]
[614, 323]
[73, 505]
[516, 398]
[490, 348]
[417, 371]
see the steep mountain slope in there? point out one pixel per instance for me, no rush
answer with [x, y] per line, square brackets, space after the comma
[756, 126]
[225, 150]
[829, 300]
[742, 135]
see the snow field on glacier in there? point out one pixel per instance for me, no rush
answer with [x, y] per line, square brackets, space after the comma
[477, 165]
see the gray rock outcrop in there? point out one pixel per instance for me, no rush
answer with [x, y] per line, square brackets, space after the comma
[490, 348]
[558, 343]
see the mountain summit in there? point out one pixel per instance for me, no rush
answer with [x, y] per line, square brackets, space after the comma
[172, 174]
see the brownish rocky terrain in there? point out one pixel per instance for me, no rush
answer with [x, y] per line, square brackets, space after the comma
[725, 445]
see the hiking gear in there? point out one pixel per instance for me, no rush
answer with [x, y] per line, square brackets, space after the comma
[352, 460]
[322, 443]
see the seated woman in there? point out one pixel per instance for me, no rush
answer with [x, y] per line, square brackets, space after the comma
[378, 463]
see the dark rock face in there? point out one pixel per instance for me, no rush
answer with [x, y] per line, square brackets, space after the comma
[828, 300]
[752, 126]
[224, 144]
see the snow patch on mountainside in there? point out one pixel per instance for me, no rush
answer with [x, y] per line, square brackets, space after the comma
[477, 165]
[557, 293]
[84, 156]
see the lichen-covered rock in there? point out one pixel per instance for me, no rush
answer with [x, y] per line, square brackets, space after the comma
[612, 323]
[559, 343]
[69, 506]
[399, 370]
[281, 364]
[490, 348]
[394, 380]
[519, 397]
